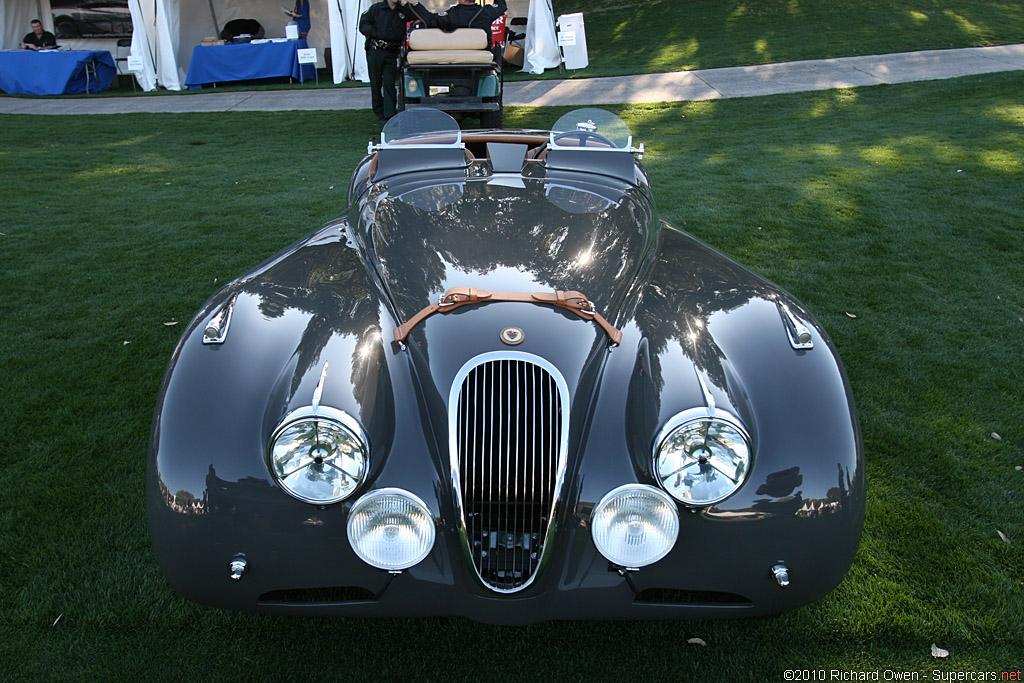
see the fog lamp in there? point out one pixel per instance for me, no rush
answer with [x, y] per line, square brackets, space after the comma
[635, 525]
[391, 529]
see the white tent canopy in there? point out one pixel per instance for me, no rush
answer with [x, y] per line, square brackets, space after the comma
[166, 31]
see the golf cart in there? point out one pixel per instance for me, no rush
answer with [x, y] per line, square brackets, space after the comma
[458, 72]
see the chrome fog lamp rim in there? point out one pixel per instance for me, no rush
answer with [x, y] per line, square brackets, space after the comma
[684, 419]
[327, 414]
[415, 501]
[671, 530]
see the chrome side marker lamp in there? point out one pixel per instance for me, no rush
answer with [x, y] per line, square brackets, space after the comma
[799, 335]
[216, 330]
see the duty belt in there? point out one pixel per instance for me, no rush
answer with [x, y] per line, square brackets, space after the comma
[385, 45]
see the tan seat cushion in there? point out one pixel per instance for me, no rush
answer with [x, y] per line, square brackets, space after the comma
[450, 57]
[459, 39]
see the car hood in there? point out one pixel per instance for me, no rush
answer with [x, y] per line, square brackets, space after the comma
[509, 234]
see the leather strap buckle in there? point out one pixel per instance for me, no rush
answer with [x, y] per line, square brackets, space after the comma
[455, 297]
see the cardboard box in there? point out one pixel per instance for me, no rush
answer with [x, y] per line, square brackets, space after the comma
[514, 54]
[211, 40]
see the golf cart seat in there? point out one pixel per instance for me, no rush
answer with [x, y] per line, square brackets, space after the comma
[461, 46]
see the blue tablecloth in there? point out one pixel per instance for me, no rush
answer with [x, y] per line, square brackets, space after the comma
[55, 72]
[245, 61]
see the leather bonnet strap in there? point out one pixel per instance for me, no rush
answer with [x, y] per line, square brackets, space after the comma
[461, 296]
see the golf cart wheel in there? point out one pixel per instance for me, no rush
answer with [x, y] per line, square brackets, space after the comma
[492, 119]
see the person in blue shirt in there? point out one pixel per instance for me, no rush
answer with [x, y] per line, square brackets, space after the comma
[301, 15]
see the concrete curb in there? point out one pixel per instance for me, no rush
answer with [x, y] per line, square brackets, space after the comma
[702, 84]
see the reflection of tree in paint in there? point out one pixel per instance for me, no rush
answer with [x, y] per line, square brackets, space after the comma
[689, 284]
[329, 283]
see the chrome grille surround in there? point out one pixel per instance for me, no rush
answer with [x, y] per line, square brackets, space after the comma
[508, 457]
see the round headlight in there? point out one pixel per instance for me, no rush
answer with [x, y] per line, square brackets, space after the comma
[635, 525]
[390, 529]
[703, 459]
[318, 457]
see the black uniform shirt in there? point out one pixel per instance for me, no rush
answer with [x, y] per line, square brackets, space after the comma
[380, 22]
[45, 40]
[473, 16]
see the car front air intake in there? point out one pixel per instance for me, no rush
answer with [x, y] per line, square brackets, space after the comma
[508, 435]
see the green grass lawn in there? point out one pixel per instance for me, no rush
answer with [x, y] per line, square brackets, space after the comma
[652, 36]
[901, 205]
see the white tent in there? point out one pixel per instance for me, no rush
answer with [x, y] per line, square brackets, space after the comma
[166, 31]
[541, 51]
[15, 19]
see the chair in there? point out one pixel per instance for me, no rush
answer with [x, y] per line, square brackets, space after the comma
[237, 27]
[122, 56]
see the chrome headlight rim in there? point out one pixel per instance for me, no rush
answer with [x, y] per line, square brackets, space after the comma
[368, 498]
[685, 418]
[326, 413]
[664, 497]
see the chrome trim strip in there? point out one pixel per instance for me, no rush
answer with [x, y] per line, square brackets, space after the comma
[709, 400]
[799, 334]
[216, 331]
[560, 465]
[319, 391]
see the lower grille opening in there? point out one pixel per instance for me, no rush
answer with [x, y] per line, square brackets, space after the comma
[507, 557]
[672, 596]
[325, 594]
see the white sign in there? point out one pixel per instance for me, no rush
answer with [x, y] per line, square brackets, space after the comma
[566, 38]
[135, 64]
[307, 55]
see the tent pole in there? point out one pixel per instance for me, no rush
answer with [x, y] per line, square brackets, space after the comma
[350, 60]
[216, 26]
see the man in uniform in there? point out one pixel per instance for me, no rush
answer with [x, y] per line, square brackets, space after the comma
[39, 38]
[383, 24]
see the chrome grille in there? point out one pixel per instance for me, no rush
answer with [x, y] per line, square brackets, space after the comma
[508, 457]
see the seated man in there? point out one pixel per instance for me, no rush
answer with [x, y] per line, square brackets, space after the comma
[468, 14]
[39, 38]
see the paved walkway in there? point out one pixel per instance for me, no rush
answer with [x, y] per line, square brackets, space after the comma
[703, 84]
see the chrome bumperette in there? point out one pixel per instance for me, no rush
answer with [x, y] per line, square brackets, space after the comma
[780, 573]
[216, 331]
[237, 567]
[508, 439]
[799, 334]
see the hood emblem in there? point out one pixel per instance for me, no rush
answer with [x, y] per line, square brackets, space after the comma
[512, 336]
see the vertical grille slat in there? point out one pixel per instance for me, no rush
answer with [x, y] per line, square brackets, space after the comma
[507, 442]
